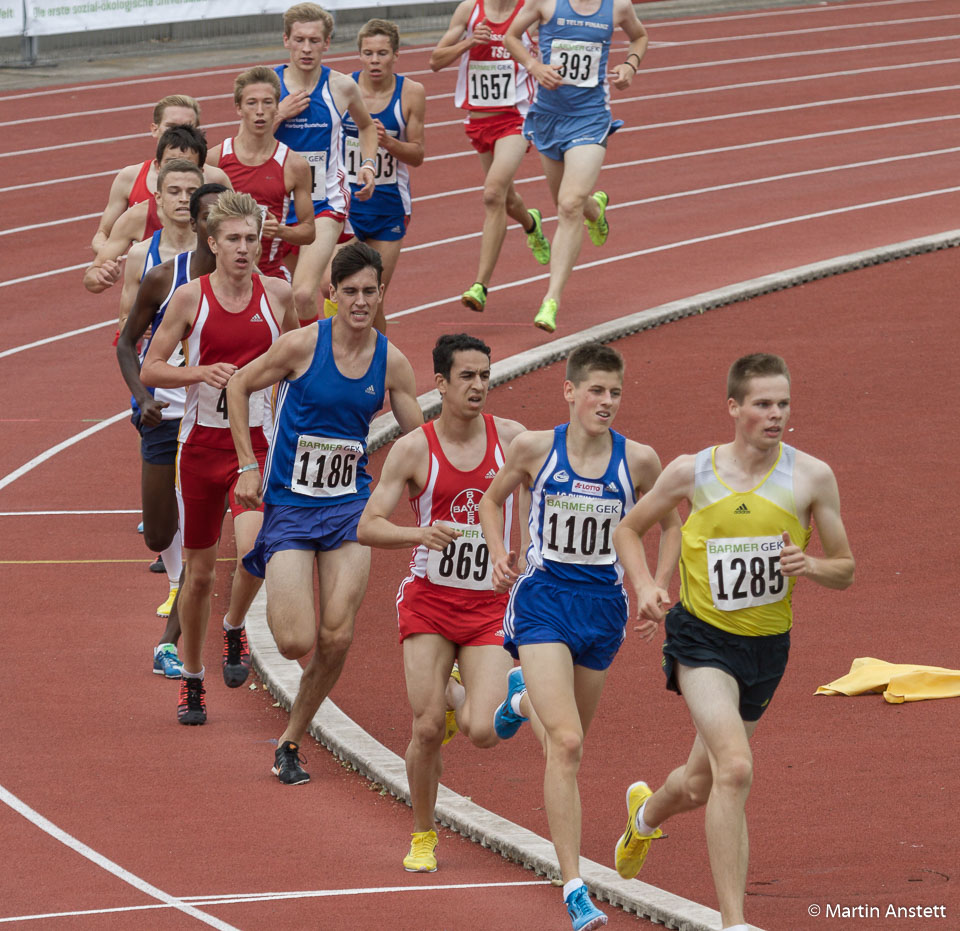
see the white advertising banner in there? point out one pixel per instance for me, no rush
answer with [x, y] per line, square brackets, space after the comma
[54, 17]
[11, 18]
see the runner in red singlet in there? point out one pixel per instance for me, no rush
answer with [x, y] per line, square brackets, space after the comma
[447, 607]
[268, 170]
[224, 320]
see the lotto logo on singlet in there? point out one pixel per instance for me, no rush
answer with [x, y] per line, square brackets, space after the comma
[594, 489]
[465, 507]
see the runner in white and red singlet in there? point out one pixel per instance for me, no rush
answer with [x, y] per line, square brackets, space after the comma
[496, 92]
[224, 320]
[268, 170]
[447, 608]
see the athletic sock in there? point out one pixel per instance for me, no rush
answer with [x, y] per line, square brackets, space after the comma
[642, 826]
[533, 224]
[737, 928]
[571, 886]
[173, 559]
[193, 675]
[515, 702]
[239, 626]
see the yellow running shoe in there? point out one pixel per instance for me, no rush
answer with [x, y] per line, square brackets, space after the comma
[599, 229]
[632, 847]
[475, 297]
[452, 728]
[546, 318]
[538, 243]
[165, 609]
[422, 858]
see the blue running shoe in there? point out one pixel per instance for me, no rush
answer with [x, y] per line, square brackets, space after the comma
[140, 527]
[166, 662]
[506, 722]
[584, 915]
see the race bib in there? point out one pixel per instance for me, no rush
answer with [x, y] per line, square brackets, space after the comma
[578, 529]
[745, 572]
[318, 173]
[212, 408]
[325, 467]
[491, 84]
[464, 562]
[385, 170]
[579, 61]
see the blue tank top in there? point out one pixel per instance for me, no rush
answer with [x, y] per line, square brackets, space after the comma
[572, 518]
[319, 452]
[152, 258]
[392, 193]
[581, 44]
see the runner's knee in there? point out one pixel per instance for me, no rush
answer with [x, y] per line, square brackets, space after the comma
[334, 643]
[570, 207]
[494, 197]
[429, 728]
[734, 773]
[565, 745]
[158, 537]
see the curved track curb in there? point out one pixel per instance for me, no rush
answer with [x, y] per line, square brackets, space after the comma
[349, 742]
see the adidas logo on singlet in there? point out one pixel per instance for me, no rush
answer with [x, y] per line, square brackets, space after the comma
[256, 318]
[612, 486]
[370, 389]
[743, 509]
[491, 474]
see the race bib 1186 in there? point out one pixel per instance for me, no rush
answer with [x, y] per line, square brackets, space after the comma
[324, 467]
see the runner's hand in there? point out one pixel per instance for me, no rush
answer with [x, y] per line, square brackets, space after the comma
[365, 176]
[151, 412]
[482, 33]
[270, 227]
[547, 76]
[652, 603]
[107, 274]
[793, 561]
[505, 572]
[293, 104]
[438, 536]
[622, 76]
[382, 134]
[216, 375]
[249, 490]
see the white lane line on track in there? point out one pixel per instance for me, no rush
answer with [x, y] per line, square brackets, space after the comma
[617, 165]
[53, 450]
[55, 339]
[696, 240]
[35, 818]
[241, 898]
[62, 513]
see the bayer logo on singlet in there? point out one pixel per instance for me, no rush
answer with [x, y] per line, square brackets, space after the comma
[465, 505]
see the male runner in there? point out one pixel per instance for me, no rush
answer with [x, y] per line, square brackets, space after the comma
[570, 120]
[396, 105]
[727, 639]
[157, 414]
[567, 612]
[333, 378]
[266, 169]
[137, 182]
[313, 99]
[447, 607]
[176, 183]
[142, 220]
[496, 93]
[224, 319]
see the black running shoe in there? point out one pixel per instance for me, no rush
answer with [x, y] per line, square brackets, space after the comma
[236, 657]
[158, 566]
[286, 766]
[192, 709]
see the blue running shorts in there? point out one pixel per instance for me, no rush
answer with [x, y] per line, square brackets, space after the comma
[291, 527]
[590, 619]
[388, 228]
[158, 445]
[554, 133]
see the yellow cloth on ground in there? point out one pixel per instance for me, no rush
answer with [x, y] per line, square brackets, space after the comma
[899, 682]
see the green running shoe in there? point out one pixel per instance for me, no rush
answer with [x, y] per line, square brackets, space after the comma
[599, 229]
[475, 297]
[546, 318]
[538, 243]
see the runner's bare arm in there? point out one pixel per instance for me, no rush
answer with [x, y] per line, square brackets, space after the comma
[508, 431]
[214, 175]
[835, 569]
[147, 300]
[674, 485]
[401, 384]
[280, 295]
[453, 43]
[406, 458]
[297, 179]
[105, 270]
[132, 270]
[414, 105]
[347, 90]
[626, 18]
[116, 204]
[532, 14]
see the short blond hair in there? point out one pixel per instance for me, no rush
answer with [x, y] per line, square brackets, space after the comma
[307, 13]
[232, 205]
[259, 75]
[174, 100]
[182, 165]
[380, 27]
